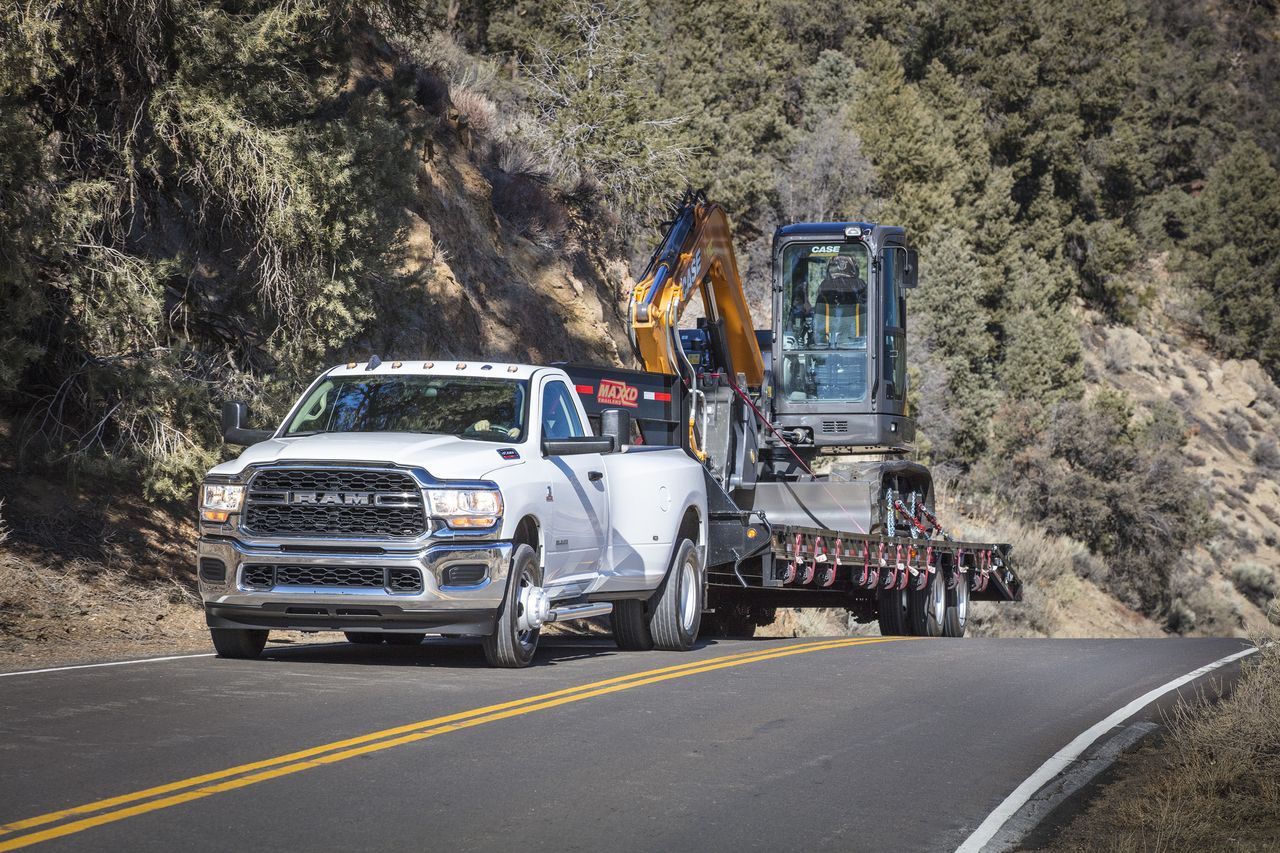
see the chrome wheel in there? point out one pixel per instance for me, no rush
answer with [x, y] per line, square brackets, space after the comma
[689, 606]
[937, 604]
[531, 610]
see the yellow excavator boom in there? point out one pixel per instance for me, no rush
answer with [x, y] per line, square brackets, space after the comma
[697, 253]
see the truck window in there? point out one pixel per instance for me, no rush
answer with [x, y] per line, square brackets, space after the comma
[559, 416]
[485, 409]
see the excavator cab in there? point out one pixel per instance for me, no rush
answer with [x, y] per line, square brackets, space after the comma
[838, 356]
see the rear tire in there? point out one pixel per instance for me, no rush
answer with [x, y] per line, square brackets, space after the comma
[928, 609]
[957, 619]
[677, 613]
[631, 626]
[508, 646]
[364, 638]
[240, 643]
[892, 613]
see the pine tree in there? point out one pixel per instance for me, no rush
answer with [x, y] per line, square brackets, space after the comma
[1238, 246]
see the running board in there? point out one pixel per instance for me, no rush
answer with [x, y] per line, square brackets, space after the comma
[579, 611]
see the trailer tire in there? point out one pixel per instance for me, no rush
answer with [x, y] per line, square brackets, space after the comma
[677, 610]
[891, 613]
[957, 621]
[364, 638]
[631, 626]
[508, 646]
[239, 643]
[928, 608]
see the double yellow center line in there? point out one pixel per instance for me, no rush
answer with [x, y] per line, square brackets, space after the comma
[99, 812]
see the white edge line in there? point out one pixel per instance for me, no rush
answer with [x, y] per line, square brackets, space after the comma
[95, 665]
[1069, 753]
[156, 660]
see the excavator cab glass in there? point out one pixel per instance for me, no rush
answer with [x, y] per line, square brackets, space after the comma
[824, 328]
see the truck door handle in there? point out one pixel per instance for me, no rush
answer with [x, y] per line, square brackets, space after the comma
[595, 476]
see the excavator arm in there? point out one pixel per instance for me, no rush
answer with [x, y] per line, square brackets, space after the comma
[696, 253]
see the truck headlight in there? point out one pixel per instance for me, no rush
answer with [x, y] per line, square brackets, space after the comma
[466, 507]
[219, 500]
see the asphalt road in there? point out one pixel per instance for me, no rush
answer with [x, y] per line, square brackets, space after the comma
[787, 745]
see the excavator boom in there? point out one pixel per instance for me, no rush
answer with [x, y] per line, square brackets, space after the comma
[696, 254]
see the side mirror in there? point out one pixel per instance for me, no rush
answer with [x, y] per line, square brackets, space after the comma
[616, 424]
[911, 275]
[234, 414]
[578, 445]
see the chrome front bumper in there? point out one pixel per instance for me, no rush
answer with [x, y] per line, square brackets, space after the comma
[437, 608]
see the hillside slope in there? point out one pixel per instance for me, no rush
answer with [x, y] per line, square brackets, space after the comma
[90, 569]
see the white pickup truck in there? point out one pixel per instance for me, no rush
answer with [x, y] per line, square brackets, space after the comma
[464, 498]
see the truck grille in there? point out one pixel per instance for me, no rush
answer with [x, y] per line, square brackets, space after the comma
[334, 502]
[269, 576]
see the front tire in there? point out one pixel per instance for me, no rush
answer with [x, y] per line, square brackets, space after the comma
[239, 643]
[508, 646]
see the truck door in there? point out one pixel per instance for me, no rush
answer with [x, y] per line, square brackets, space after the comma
[578, 490]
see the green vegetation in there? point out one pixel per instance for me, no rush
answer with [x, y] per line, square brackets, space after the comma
[200, 200]
[196, 201]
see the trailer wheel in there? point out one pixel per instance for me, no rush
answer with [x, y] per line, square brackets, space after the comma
[892, 613]
[241, 643]
[365, 638]
[957, 619]
[631, 626]
[677, 611]
[928, 608]
[508, 646]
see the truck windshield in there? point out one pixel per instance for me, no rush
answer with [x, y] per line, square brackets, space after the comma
[486, 409]
[824, 323]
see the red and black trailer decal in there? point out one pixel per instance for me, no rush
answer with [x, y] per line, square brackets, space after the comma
[654, 400]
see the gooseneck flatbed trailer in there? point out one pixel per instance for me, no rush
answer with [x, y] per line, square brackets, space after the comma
[802, 428]
[908, 574]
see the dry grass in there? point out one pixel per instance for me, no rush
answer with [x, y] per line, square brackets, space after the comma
[79, 609]
[1212, 784]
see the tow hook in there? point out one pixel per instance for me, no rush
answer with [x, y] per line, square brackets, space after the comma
[535, 607]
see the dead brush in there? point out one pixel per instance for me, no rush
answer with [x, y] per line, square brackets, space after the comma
[1221, 784]
[36, 599]
[475, 112]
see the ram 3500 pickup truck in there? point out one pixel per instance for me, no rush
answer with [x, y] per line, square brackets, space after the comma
[411, 498]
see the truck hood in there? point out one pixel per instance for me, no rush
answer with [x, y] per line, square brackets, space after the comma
[446, 457]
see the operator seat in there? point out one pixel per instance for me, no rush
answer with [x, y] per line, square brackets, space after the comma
[841, 295]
